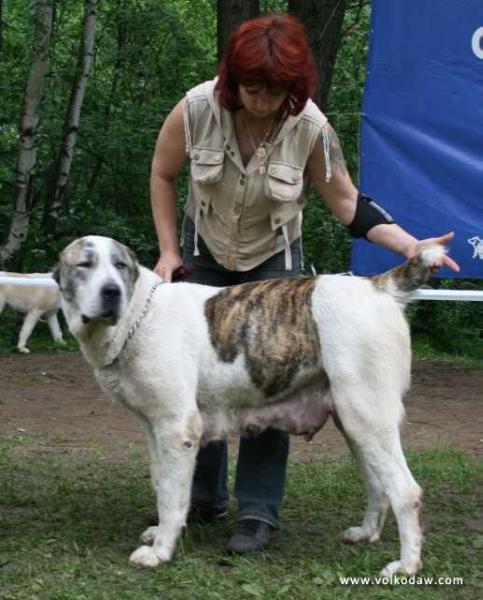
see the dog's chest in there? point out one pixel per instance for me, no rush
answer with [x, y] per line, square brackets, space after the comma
[109, 381]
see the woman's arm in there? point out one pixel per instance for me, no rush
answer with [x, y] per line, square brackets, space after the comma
[168, 160]
[341, 197]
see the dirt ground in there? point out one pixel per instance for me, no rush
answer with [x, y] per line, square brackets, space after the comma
[53, 397]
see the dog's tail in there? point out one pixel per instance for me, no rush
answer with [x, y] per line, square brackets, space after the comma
[401, 281]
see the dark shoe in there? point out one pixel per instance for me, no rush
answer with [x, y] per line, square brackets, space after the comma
[202, 517]
[251, 535]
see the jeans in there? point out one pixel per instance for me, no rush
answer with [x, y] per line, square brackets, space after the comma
[262, 460]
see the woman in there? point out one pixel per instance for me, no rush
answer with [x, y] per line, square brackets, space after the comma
[254, 139]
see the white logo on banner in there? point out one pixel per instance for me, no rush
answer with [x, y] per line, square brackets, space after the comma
[477, 43]
[477, 244]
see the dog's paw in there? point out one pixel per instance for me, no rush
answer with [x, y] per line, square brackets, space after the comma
[147, 537]
[23, 350]
[359, 534]
[150, 556]
[145, 557]
[396, 567]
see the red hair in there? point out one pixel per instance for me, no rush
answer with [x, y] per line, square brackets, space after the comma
[271, 51]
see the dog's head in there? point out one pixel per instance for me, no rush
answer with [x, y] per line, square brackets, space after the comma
[96, 276]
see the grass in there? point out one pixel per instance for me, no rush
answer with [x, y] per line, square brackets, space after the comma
[69, 523]
[423, 349]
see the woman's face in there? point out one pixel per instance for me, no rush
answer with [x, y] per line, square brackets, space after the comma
[261, 101]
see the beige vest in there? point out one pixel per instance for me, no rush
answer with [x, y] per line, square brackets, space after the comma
[246, 214]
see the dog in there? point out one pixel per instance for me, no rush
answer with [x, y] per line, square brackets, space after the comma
[196, 363]
[35, 302]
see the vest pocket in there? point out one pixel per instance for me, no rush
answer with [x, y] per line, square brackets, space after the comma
[283, 182]
[207, 165]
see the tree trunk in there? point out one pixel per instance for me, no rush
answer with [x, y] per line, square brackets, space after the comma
[28, 125]
[55, 200]
[322, 20]
[230, 14]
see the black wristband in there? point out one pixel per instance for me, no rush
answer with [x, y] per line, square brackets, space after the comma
[368, 215]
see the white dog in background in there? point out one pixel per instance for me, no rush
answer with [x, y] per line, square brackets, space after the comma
[36, 302]
[196, 363]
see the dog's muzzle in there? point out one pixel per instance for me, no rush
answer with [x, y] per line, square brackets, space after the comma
[111, 300]
[110, 303]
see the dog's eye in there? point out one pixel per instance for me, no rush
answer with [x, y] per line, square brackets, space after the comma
[120, 265]
[84, 264]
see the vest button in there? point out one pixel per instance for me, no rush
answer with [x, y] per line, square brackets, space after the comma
[277, 220]
[295, 178]
[196, 157]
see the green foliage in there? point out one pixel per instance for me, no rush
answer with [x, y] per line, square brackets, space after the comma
[455, 328]
[148, 53]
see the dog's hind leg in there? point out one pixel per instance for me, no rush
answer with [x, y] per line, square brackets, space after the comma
[27, 327]
[173, 447]
[372, 425]
[55, 330]
[377, 500]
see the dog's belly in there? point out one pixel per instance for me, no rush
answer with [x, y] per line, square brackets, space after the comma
[300, 410]
[304, 415]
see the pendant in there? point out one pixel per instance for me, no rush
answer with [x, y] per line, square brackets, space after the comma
[261, 152]
[261, 170]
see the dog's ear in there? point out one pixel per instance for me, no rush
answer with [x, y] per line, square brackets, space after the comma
[135, 262]
[132, 255]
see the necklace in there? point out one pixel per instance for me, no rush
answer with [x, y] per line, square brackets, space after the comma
[261, 147]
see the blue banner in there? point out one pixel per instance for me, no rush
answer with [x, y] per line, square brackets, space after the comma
[422, 127]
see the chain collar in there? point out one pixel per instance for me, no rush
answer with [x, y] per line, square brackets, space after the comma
[137, 323]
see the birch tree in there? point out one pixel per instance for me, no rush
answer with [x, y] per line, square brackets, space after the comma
[28, 126]
[56, 196]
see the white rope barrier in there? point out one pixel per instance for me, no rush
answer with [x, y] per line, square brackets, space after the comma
[34, 281]
[461, 295]
[423, 294]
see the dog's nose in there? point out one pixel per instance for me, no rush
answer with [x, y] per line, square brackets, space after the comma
[111, 291]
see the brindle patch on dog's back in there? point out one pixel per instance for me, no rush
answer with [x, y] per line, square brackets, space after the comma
[271, 323]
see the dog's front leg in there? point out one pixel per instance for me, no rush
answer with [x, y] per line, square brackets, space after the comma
[173, 455]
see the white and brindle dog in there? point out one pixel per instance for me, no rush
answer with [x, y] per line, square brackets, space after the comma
[36, 302]
[196, 363]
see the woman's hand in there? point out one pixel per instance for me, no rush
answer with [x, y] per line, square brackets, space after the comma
[445, 261]
[167, 264]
